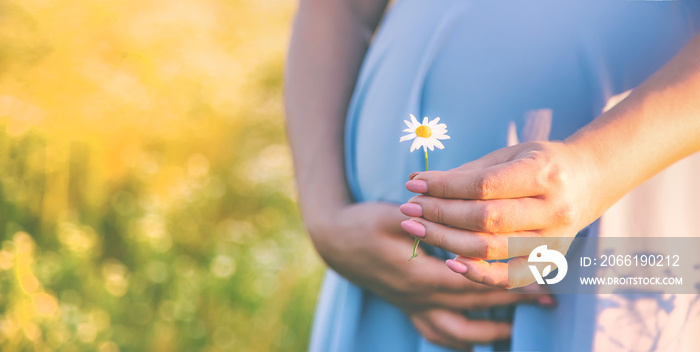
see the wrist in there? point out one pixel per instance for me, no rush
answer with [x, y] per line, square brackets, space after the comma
[320, 216]
[599, 185]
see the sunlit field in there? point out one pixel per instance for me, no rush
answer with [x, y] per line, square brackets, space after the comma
[146, 195]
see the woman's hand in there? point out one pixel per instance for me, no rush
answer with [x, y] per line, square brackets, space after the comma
[534, 189]
[548, 189]
[365, 243]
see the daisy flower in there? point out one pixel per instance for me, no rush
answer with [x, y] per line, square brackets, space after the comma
[426, 134]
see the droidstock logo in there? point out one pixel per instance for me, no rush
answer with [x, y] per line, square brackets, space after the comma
[543, 255]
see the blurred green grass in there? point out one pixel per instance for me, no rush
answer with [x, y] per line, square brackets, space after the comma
[146, 192]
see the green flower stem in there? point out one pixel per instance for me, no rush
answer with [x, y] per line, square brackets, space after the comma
[417, 241]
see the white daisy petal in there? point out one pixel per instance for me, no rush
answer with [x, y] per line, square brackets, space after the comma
[444, 136]
[416, 143]
[409, 130]
[415, 121]
[407, 137]
[434, 122]
[431, 147]
[409, 124]
[425, 120]
[438, 144]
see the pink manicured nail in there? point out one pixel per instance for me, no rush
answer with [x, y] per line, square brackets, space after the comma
[414, 228]
[417, 186]
[547, 301]
[456, 266]
[412, 175]
[411, 209]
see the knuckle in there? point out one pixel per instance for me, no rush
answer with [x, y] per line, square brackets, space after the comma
[488, 250]
[550, 173]
[484, 249]
[536, 155]
[438, 185]
[486, 186]
[444, 188]
[479, 279]
[491, 219]
[492, 282]
[566, 214]
[438, 239]
[539, 157]
[557, 175]
[434, 211]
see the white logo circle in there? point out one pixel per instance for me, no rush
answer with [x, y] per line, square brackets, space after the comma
[543, 255]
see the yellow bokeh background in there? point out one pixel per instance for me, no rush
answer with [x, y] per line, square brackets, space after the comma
[146, 188]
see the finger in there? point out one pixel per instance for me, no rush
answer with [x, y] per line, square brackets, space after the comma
[509, 275]
[457, 293]
[431, 272]
[500, 215]
[463, 331]
[513, 179]
[467, 243]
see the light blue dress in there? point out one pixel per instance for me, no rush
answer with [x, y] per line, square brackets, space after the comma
[481, 66]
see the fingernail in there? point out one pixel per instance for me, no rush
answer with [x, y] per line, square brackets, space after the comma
[412, 175]
[414, 228]
[417, 186]
[547, 301]
[411, 209]
[456, 266]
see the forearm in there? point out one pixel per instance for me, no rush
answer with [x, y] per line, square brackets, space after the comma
[657, 125]
[328, 43]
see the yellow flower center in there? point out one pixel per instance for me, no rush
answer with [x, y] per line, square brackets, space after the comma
[423, 131]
